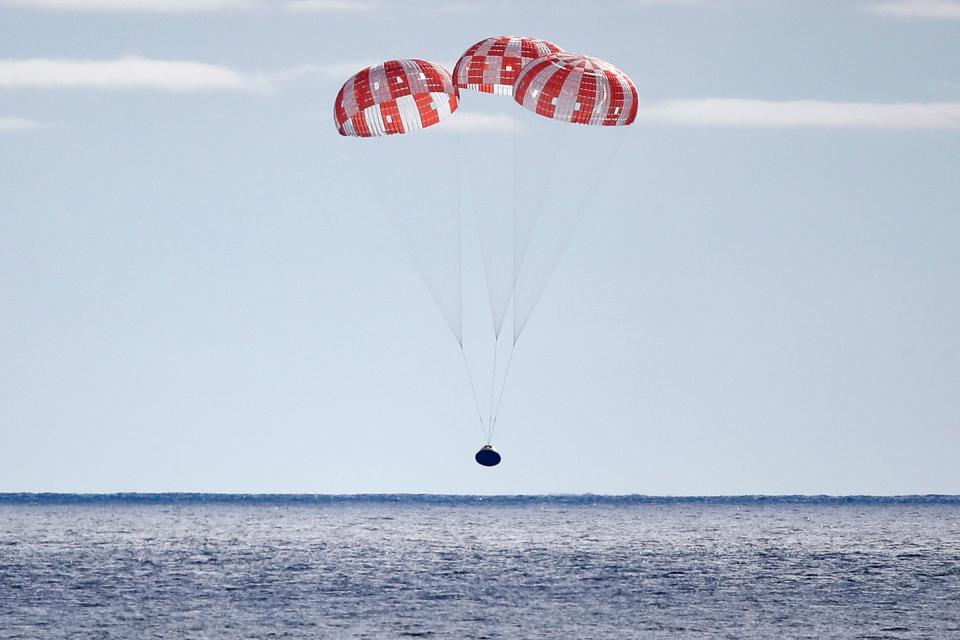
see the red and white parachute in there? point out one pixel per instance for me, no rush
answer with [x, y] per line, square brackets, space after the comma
[398, 96]
[517, 164]
[579, 89]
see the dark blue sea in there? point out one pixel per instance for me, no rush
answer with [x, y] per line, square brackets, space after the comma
[418, 566]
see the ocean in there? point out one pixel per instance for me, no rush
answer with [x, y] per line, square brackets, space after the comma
[420, 566]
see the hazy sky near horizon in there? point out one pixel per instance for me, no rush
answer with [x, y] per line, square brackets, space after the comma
[195, 294]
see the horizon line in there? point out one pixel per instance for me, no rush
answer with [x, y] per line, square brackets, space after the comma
[239, 497]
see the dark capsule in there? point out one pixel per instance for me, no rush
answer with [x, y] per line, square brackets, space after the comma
[488, 456]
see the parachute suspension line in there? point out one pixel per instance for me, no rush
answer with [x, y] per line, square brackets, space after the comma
[495, 407]
[463, 354]
[591, 194]
[473, 388]
[517, 260]
[516, 194]
[538, 215]
[503, 386]
[493, 384]
[519, 257]
[460, 236]
[369, 174]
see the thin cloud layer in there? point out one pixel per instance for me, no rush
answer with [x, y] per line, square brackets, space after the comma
[197, 6]
[333, 6]
[333, 71]
[129, 72]
[10, 124]
[727, 112]
[478, 122]
[134, 72]
[153, 6]
[675, 3]
[935, 9]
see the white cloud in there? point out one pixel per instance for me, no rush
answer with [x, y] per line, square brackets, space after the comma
[129, 72]
[333, 6]
[156, 6]
[937, 9]
[478, 122]
[459, 8]
[209, 6]
[199, 6]
[133, 72]
[727, 112]
[675, 3]
[9, 124]
[332, 71]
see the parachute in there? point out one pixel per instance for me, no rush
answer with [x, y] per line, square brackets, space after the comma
[525, 206]
[398, 96]
[493, 64]
[577, 89]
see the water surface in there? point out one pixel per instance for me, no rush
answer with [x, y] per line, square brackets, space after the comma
[203, 566]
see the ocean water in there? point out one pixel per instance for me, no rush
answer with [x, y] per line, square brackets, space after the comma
[200, 566]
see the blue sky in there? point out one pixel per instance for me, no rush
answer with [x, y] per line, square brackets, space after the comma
[197, 291]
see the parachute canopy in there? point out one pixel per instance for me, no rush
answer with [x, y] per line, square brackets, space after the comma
[570, 87]
[398, 96]
[493, 64]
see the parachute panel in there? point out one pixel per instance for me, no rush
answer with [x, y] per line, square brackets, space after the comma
[493, 64]
[398, 96]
